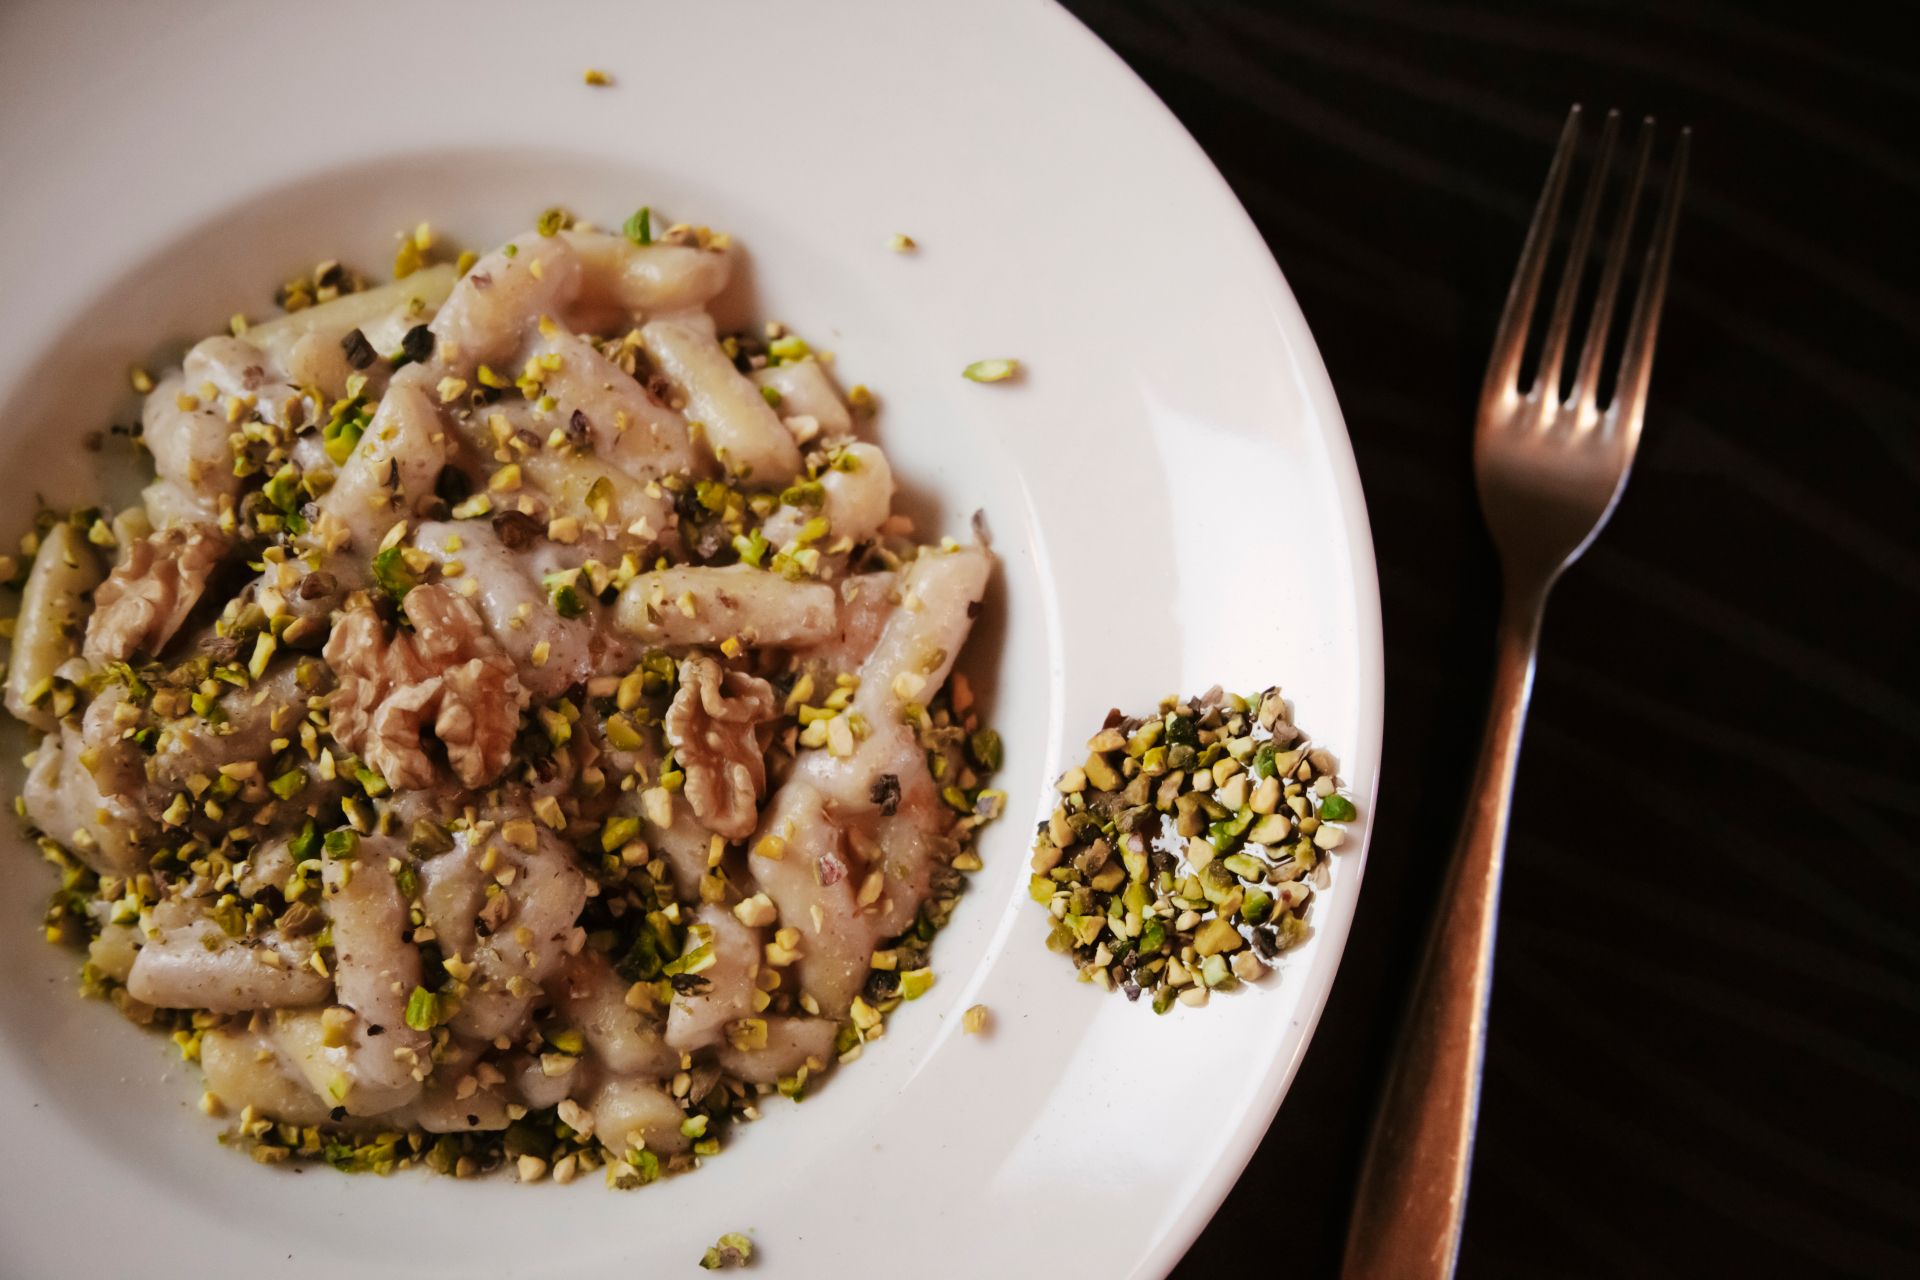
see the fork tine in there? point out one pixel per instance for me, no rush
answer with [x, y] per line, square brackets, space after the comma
[1503, 370]
[1553, 349]
[1586, 376]
[1636, 361]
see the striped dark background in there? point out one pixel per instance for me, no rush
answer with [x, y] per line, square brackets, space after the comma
[1703, 1055]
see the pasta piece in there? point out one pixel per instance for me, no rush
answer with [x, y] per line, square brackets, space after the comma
[940, 593]
[306, 346]
[308, 1045]
[63, 798]
[244, 1069]
[700, 1018]
[593, 998]
[269, 382]
[113, 951]
[250, 719]
[493, 312]
[694, 605]
[635, 1114]
[269, 866]
[529, 1079]
[515, 934]
[808, 883]
[191, 455]
[683, 843]
[517, 609]
[866, 602]
[576, 280]
[118, 764]
[453, 890]
[375, 969]
[860, 836]
[861, 840]
[806, 392]
[53, 609]
[389, 475]
[856, 496]
[458, 1099]
[624, 425]
[745, 435]
[417, 294]
[602, 501]
[167, 503]
[792, 1043]
[191, 963]
[235, 367]
[646, 279]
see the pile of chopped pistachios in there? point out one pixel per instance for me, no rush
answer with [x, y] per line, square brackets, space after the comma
[1183, 853]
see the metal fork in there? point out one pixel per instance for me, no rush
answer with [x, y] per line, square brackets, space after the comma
[1549, 469]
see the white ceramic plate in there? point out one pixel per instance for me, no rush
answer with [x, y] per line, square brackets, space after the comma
[1170, 488]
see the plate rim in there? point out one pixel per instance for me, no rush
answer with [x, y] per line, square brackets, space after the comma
[1238, 1153]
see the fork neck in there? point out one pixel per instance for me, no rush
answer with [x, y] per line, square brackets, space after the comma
[1522, 606]
[1523, 602]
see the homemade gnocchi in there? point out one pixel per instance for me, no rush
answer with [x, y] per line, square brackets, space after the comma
[514, 728]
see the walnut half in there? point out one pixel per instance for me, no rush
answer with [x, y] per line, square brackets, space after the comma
[710, 725]
[151, 592]
[447, 674]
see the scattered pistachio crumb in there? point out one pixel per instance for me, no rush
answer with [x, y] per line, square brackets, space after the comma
[990, 370]
[730, 1250]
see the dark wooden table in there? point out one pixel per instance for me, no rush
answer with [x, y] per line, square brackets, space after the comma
[1704, 1034]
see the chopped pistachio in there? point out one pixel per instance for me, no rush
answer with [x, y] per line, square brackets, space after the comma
[1100, 773]
[730, 1250]
[787, 349]
[423, 1009]
[639, 227]
[990, 370]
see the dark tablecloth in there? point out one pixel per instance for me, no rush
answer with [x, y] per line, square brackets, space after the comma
[1704, 1032]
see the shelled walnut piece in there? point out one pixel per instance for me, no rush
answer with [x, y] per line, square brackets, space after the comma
[447, 673]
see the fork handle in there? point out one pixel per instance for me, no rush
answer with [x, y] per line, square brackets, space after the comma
[1413, 1188]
